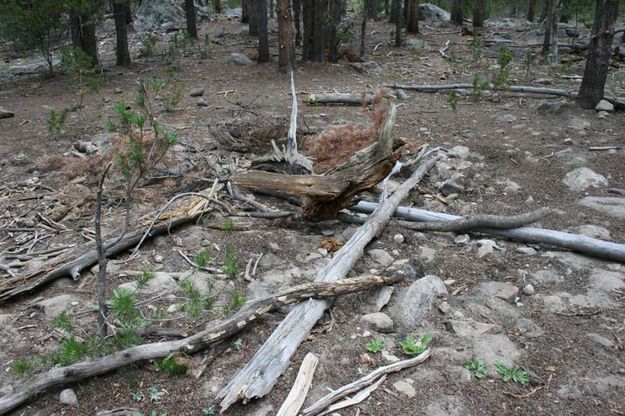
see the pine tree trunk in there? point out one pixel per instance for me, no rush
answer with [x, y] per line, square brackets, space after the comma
[297, 18]
[263, 35]
[318, 35]
[89, 40]
[252, 13]
[128, 12]
[189, 9]
[412, 21]
[245, 11]
[479, 13]
[121, 31]
[598, 57]
[336, 11]
[75, 30]
[550, 42]
[531, 10]
[363, 29]
[456, 13]
[397, 13]
[307, 22]
[217, 6]
[286, 54]
[372, 8]
[272, 7]
[392, 18]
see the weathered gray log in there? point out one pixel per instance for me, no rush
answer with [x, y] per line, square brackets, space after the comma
[370, 378]
[345, 98]
[261, 373]
[593, 247]
[250, 313]
[512, 88]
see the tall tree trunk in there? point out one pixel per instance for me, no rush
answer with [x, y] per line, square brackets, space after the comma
[598, 57]
[397, 17]
[393, 15]
[89, 40]
[479, 13]
[314, 27]
[217, 6]
[412, 20]
[456, 13]
[372, 8]
[363, 28]
[189, 9]
[387, 8]
[128, 12]
[252, 12]
[272, 7]
[245, 11]
[121, 33]
[550, 42]
[336, 11]
[263, 34]
[531, 10]
[75, 30]
[297, 18]
[286, 48]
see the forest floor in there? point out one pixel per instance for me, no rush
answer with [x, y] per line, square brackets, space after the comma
[508, 154]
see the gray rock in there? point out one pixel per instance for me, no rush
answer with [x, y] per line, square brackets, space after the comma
[578, 124]
[501, 290]
[460, 152]
[528, 289]
[401, 94]
[378, 321]
[399, 239]
[462, 239]
[381, 257]
[154, 13]
[286, 277]
[196, 92]
[613, 206]
[507, 118]
[493, 349]
[602, 341]
[86, 147]
[417, 45]
[447, 406]
[450, 186]
[429, 11]
[604, 105]
[4, 113]
[405, 388]
[606, 281]
[368, 67]
[389, 358]
[202, 103]
[553, 107]
[53, 307]
[416, 301]
[528, 251]
[545, 277]
[486, 247]
[382, 297]
[594, 231]
[427, 254]
[240, 59]
[511, 186]
[68, 397]
[468, 329]
[580, 179]
[161, 282]
[601, 115]
[263, 410]
[528, 328]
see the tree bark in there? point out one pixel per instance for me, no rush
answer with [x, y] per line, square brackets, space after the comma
[245, 11]
[89, 39]
[457, 13]
[412, 20]
[128, 12]
[252, 12]
[286, 48]
[122, 53]
[396, 12]
[217, 6]
[371, 7]
[318, 39]
[189, 9]
[551, 32]
[598, 57]
[363, 29]
[297, 18]
[479, 13]
[263, 34]
[531, 10]
[272, 7]
[336, 11]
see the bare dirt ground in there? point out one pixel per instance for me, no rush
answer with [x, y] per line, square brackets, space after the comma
[515, 161]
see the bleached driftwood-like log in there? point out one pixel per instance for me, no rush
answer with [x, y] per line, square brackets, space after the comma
[367, 380]
[297, 395]
[250, 313]
[589, 246]
[512, 88]
[345, 98]
[261, 373]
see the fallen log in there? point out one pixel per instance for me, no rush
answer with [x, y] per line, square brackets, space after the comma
[344, 98]
[74, 262]
[327, 194]
[589, 246]
[261, 373]
[365, 381]
[250, 313]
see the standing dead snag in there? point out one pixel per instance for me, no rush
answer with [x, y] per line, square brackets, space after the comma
[261, 373]
[327, 194]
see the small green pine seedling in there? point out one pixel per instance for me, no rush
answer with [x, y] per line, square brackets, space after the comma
[126, 337]
[169, 365]
[375, 346]
[452, 99]
[124, 308]
[477, 367]
[154, 394]
[208, 411]
[203, 258]
[231, 267]
[238, 343]
[312, 100]
[56, 120]
[63, 322]
[236, 301]
[21, 366]
[411, 347]
[516, 373]
[145, 276]
[70, 351]
[228, 225]
[137, 396]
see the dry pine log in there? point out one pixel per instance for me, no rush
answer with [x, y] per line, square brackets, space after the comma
[250, 313]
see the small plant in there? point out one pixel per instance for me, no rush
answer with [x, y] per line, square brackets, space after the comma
[238, 343]
[62, 322]
[477, 367]
[148, 46]
[70, 351]
[154, 394]
[237, 299]
[196, 301]
[231, 267]
[126, 337]
[476, 49]
[479, 86]
[527, 64]
[516, 373]
[375, 346]
[145, 276]
[203, 258]
[173, 98]
[124, 307]
[56, 120]
[208, 411]
[502, 77]
[452, 99]
[169, 365]
[312, 100]
[137, 396]
[412, 347]
[229, 225]
[22, 366]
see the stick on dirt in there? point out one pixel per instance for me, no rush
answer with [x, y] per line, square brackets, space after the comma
[297, 395]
